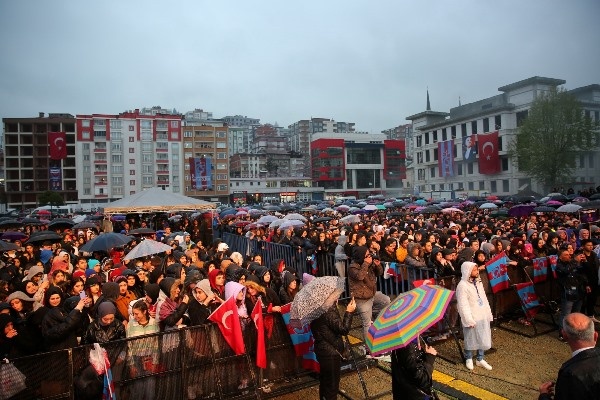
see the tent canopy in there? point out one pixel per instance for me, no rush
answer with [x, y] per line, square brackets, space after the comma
[156, 200]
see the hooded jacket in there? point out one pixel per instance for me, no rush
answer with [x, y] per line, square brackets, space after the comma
[60, 326]
[231, 290]
[286, 280]
[168, 311]
[362, 275]
[468, 294]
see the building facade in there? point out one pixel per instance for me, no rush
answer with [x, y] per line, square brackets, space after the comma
[466, 150]
[29, 168]
[358, 165]
[120, 155]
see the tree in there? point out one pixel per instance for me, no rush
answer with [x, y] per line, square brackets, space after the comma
[548, 142]
[51, 198]
[271, 166]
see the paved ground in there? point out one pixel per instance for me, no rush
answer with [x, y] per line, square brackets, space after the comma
[519, 363]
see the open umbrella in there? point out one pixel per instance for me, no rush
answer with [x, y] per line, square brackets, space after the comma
[487, 206]
[295, 216]
[13, 235]
[266, 219]
[421, 202]
[6, 246]
[544, 209]
[141, 232]
[105, 242]
[61, 223]
[370, 207]
[407, 317]
[315, 298]
[451, 210]
[569, 208]
[521, 210]
[350, 219]
[291, 223]
[276, 223]
[85, 225]
[43, 236]
[321, 219]
[147, 247]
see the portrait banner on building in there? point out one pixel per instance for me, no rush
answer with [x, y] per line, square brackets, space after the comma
[55, 181]
[469, 147]
[58, 145]
[489, 160]
[446, 158]
[201, 173]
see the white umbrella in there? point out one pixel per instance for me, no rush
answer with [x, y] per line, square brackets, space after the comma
[487, 206]
[295, 216]
[450, 210]
[291, 223]
[569, 208]
[267, 219]
[147, 247]
[370, 207]
[276, 223]
[350, 219]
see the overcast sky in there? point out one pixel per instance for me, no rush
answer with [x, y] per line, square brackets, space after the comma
[368, 62]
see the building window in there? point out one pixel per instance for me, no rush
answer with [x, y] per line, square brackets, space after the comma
[86, 146]
[221, 166]
[131, 128]
[116, 169]
[132, 182]
[427, 158]
[117, 180]
[99, 134]
[473, 127]
[174, 124]
[435, 154]
[453, 131]
[85, 123]
[471, 185]
[220, 134]
[504, 162]
[435, 138]
[221, 156]
[188, 134]
[459, 169]
[221, 188]
[174, 135]
[463, 130]
[426, 138]
[497, 122]
[592, 160]
[86, 157]
[147, 147]
[493, 187]
[421, 174]
[146, 124]
[116, 158]
[131, 150]
[521, 117]
[147, 180]
[481, 185]
[116, 136]
[132, 172]
[505, 186]
[132, 161]
[486, 124]
[444, 135]
[432, 171]
[470, 168]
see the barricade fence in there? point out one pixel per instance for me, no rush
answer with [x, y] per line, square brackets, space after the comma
[187, 363]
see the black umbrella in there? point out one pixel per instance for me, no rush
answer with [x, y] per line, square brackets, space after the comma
[142, 231]
[11, 223]
[85, 225]
[106, 242]
[430, 210]
[13, 235]
[6, 246]
[61, 223]
[321, 219]
[32, 221]
[591, 205]
[43, 236]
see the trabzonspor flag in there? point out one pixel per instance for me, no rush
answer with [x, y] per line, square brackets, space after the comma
[497, 272]
[446, 158]
[529, 299]
[540, 269]
[552, 260]
[303, 341]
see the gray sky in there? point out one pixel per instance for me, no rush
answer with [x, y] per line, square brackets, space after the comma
[281, 61]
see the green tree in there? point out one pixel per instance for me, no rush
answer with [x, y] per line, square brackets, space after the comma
[548, 142]
[50, 198]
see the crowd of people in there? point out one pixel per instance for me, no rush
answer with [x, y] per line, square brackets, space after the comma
[55, 296]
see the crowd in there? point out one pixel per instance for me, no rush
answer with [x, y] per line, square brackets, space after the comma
[55, 296]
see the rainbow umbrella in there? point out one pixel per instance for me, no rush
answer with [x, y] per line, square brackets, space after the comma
[407, 317]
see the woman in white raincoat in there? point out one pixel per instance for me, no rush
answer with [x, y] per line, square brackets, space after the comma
[475, 314]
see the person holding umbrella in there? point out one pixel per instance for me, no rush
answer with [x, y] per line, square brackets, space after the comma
[328, 330]
[412, 370]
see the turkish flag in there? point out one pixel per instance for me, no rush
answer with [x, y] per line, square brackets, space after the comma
[261, 350]
[58, 145]
[489, 160]
[227, 319]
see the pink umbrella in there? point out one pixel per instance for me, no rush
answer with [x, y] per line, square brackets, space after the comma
[580, 200]
[452, 210]
[554, 203]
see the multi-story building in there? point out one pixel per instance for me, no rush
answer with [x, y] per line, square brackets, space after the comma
[240, 135]
[119, 155]
[301, 133]
[446, 156]
[273, 190]
[29, 168]
[206, 160]
[358, 165]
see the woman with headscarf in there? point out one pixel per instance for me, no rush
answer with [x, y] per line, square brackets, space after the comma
[106, 327]
[63, 322]
[171, 305]
[216, 278]
[289, 287]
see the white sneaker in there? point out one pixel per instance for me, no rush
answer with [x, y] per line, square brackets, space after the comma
[469, 364]
[385, 358]
[483, 364]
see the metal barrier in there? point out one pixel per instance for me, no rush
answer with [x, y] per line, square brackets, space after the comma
[193, 362]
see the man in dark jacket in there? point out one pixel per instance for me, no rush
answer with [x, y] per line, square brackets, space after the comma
[362, 281]
[412, 369]
[579, 377]
[573, 283]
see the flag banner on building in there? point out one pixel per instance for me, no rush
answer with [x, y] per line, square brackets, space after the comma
[489, 160]
[540, 269]
[58, 145]
[227, 319]
[446, 158]
[303, 341]
[261, 350]
[552, 260]
[497, 273]
[55, 181]
[201, 173]
[529, 299]
[469, 147]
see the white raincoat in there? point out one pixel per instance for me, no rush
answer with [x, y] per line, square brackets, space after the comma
[474, 309]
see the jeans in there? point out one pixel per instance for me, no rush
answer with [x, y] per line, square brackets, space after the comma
[469, 354]
[366, 308]
[567, 307]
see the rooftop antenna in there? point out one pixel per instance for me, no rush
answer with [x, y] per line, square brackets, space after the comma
[428, 103]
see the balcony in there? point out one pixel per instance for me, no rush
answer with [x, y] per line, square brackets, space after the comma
[162, 172]
[100, 161]
[99, 149]
[100, 182]
[100, 172]
[162, 161]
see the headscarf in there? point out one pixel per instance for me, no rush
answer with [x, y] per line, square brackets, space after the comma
[104, 309]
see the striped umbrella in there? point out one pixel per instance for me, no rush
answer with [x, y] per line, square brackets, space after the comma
[410, 314]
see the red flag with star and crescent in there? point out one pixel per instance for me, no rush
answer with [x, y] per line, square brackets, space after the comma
[227, 319]
[489, 160]
[261, 350]
[58, 145]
